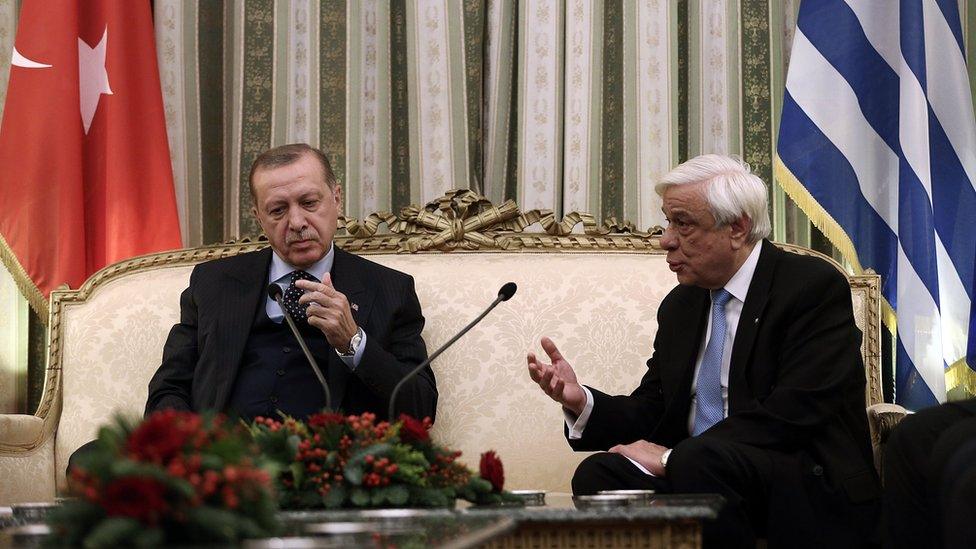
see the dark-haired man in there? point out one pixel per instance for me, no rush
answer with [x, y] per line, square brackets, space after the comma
[231, 350]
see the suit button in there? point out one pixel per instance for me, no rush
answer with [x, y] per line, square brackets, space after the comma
[818, 470]
[280, 372]
[286, 349]
[274, 399]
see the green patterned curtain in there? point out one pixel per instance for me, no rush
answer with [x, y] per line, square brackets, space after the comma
[568, 105]
[565, 105]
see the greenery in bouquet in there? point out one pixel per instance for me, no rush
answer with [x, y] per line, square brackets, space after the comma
[175, 477]
[334, 461]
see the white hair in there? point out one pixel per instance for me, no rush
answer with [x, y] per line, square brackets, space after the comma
[731, 190]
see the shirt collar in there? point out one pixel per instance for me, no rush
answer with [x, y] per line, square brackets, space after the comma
[738, 285]
[281, 269]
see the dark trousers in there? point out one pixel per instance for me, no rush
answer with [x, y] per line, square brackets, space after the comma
[740, 473]
[930, 479]
[767, 494]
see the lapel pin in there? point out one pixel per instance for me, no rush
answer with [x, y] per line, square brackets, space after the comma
[355, 307]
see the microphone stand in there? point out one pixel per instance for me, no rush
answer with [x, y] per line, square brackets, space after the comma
[275, 292]
[506, 292]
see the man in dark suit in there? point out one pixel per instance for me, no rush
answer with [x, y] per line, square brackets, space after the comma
[930, 478]
[755, 389]
[231, 350]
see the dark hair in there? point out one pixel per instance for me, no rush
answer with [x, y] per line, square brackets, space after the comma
[285, 155]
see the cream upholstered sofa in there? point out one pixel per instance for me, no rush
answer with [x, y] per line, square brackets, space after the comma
[593, 289]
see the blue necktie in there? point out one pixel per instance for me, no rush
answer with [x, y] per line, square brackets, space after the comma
[709, 408]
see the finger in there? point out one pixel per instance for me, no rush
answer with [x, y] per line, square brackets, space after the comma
[308, 285]
[558, 387]
[327, 280]
[550, 348]
[615, 449]
[535, 370]
[546, 380]
[317, 297]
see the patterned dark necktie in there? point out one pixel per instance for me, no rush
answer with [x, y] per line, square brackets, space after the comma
[291, 295]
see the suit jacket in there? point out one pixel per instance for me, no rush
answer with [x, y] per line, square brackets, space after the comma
[204, 350]
[796, 384]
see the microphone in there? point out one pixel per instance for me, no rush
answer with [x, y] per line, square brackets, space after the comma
[504, 294]
[274, 292]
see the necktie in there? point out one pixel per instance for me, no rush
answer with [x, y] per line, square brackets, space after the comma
[291, 295]
[709, 408]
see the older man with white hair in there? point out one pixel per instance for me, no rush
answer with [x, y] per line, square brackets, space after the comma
[755, 389]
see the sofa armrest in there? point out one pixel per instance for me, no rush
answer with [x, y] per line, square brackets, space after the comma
[19, 431]
[26, 460]
[882, 418]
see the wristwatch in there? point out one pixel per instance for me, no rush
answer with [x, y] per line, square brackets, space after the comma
[664, 459]
[354, 343]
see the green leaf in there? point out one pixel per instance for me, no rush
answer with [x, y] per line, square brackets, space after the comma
[207, 523]
[112, 532]
[335, 498]
[150, 537]
[297, 473]
[397, 495]
[359, 497]
[353, 473]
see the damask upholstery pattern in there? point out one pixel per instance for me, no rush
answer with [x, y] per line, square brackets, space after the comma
[600, 308]
[28, 477]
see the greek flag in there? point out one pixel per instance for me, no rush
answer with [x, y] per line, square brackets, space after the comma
[878, 145]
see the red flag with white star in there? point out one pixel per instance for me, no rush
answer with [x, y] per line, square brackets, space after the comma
[85, 174]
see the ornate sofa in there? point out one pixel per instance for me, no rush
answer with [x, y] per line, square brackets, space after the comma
[594, 289]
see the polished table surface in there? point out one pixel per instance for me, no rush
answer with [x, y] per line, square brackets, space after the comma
[465, 526]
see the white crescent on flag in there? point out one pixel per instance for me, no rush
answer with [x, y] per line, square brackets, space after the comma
[21, 61]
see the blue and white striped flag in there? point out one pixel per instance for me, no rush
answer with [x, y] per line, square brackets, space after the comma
[878, 145]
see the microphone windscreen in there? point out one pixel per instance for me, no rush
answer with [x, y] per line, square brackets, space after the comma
[507, 291]
[274, 291]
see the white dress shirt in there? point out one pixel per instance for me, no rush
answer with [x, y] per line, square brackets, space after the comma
[738, 286]
[280, 274]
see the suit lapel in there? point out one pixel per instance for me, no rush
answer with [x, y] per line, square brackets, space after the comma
[345, 278]
[751, 318]
[677, 370]
[244, 289]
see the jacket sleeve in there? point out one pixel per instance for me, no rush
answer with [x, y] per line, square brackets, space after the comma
[385, 363]
[171, 386]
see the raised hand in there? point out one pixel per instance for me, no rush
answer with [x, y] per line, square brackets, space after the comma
[328, 310]
[558, 380]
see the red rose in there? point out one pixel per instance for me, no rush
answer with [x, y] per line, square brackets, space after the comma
[413, 430]
[325, 419]
[137, 497]
[162, 435]
[492, 470]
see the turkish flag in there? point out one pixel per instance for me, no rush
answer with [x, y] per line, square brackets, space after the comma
[85, 175]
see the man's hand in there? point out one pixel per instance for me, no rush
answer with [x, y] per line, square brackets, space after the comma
[646, 453]
[328, 310]
[558, 380]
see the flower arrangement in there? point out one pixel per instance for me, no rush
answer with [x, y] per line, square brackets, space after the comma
[175, 477]
[334, 461]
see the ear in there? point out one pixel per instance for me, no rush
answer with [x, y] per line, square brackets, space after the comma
[337, 194]
[739, 231]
